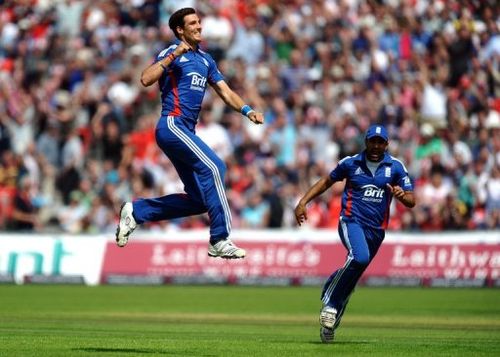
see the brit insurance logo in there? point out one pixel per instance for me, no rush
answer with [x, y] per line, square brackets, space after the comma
[198, 82]
[372, 193]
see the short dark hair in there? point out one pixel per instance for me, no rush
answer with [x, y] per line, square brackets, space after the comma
[177, 19]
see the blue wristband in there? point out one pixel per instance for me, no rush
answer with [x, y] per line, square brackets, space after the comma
[246, 109]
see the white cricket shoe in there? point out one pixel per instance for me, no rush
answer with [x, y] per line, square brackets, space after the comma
[326, 335]
[327, 317]
[126, 225]
[226, 249]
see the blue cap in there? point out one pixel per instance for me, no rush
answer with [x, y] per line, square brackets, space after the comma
[377, 130]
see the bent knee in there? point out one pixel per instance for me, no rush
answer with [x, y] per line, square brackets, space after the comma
[361, 261]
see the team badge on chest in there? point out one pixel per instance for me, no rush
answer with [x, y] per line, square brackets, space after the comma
[387, 172]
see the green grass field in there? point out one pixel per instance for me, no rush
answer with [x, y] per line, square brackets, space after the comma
[243, 321]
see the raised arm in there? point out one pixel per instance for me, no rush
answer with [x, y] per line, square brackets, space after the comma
[317, 189]
[233, 100]
[153, 72]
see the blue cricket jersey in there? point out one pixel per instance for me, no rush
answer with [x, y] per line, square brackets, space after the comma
[184, 82]
[366, 198]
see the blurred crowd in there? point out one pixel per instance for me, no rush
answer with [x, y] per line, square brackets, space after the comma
[77, 128]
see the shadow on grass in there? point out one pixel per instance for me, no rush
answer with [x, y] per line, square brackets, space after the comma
[129, 350]
[117, 350]
[342, 343]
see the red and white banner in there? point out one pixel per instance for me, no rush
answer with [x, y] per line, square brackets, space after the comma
[313, 253]
[189, 258]
[468, 261]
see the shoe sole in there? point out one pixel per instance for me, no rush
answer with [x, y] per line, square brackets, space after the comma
[118, 228]
[225, 256]
[325, 338]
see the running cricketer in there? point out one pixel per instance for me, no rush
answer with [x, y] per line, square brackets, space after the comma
[372, 177]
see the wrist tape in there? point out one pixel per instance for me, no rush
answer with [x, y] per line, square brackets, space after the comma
[246, 109]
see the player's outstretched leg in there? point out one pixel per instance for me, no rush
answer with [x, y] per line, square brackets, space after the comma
[126, 225]
[225, 249]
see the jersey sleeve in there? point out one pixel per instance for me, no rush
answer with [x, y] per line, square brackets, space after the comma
[402, 178]
[340, 172]
[164, 53]
[214, 74]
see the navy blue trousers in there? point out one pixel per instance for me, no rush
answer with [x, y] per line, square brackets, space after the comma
[202, 173]
[362, 244]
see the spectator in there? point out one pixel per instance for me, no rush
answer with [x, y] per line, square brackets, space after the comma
[48, 143]
[283, 141]
[73, 217]
[433, 197]
[256, 213]
[218, 32]
[69, 17]
[214, 134]
[247, 37]
[489, 186]
[24, 217]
